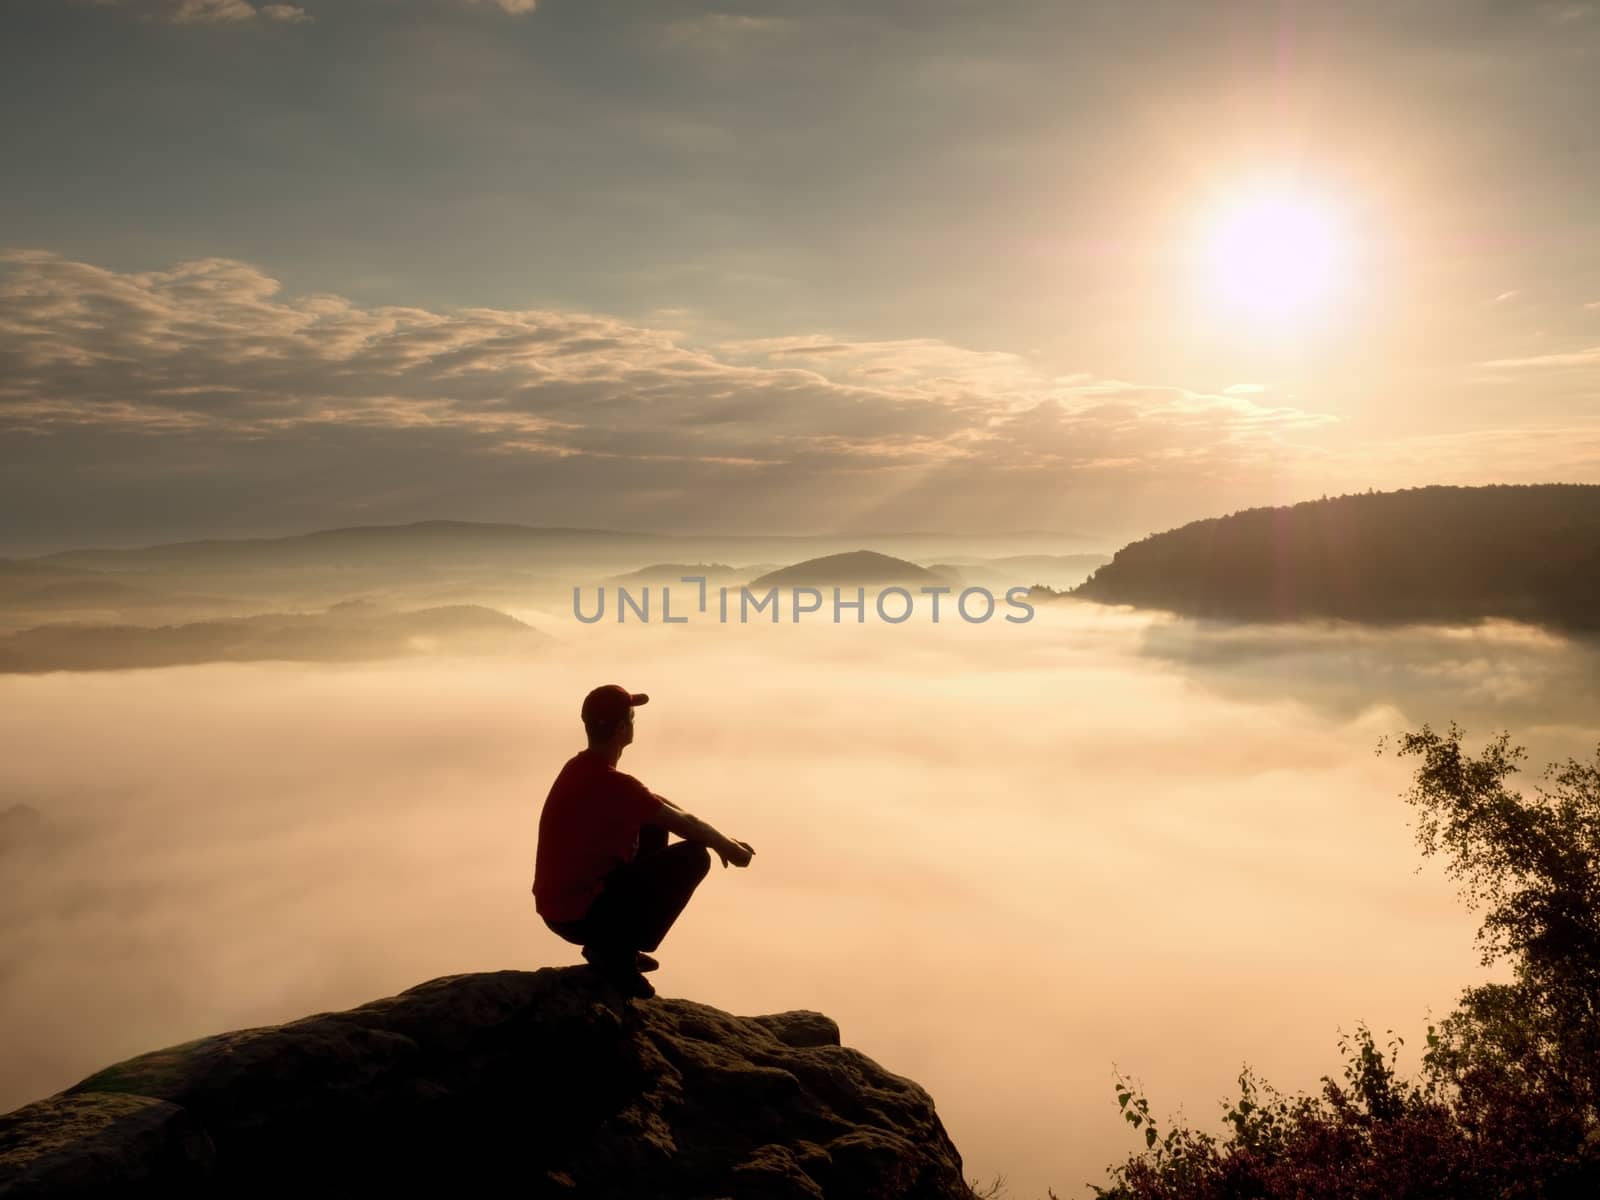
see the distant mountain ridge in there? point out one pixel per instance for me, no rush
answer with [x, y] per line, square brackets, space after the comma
[1527, 552]
[353, 631]
[459, 541]
[393, 543]
[673, 572]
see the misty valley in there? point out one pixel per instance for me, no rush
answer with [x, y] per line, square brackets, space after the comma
[1109, 837]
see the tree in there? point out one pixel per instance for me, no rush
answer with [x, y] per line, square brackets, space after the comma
[1522, 1059]
[1506, 1103]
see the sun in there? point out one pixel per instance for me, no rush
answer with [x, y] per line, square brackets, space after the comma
[1274, 253]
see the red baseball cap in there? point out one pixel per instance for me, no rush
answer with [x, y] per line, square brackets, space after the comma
[609, 703]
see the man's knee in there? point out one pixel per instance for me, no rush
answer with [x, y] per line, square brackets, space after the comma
[681, 865]
[699, 858]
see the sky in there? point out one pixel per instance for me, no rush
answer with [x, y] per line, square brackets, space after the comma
[1102, 268]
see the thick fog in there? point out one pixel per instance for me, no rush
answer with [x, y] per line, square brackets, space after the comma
[1007, 859]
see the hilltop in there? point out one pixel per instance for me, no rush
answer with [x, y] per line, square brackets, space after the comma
[856, 568]
[1435, 554]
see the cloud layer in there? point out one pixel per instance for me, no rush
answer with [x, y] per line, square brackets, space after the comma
[239, 12]
[204, 373]
[193, 367]
[1003, 858]
[212, 12]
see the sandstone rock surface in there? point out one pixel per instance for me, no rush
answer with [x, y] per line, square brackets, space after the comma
[546, 1083]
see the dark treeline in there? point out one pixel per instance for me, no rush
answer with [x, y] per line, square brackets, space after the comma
[1529, 553]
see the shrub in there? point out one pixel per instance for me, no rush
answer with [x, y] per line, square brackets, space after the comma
[1506, 1102]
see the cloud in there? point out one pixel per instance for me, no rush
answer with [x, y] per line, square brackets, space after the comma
[965, 795]
[1589, 357]
[206, 361]
[721, 31]
[1567, 14]
[240, 12]
[1486, 675]
[225, 12]
[288, 14]
[212, 12]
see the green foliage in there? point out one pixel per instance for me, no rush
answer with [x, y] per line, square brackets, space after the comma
[1532, 864]
[1506, 1104]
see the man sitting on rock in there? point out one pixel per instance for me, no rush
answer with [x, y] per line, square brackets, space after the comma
[604, 877]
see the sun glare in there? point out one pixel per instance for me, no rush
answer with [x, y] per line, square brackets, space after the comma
[1273, 254]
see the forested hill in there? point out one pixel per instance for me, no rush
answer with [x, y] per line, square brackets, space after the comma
[1531, 553]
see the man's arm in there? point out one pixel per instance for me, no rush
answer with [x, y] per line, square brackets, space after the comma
[692, 829]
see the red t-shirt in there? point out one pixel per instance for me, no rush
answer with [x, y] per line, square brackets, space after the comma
[590, 823]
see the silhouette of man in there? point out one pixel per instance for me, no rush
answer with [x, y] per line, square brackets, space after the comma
[604, 877]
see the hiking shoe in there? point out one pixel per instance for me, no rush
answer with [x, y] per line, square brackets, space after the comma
[622, 972]
[606, 956]
[639, 961]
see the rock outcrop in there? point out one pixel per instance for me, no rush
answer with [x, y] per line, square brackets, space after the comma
[544, 1083]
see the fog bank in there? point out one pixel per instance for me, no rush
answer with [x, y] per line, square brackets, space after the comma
[1003, 858]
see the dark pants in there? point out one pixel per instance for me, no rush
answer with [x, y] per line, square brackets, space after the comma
[640, 899]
